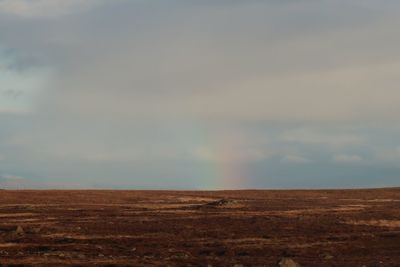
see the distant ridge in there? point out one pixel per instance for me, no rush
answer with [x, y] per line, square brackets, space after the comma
[15, 182]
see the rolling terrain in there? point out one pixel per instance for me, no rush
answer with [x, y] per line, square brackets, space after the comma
[200, 228]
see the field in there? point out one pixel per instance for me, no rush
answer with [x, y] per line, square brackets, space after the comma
[200, 228]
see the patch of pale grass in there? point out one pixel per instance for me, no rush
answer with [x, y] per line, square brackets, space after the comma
[379, 223]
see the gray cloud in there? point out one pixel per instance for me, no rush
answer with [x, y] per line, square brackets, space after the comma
[165, 91]
[14, 94]
[45, 8]
[202, 69]
[343, 158]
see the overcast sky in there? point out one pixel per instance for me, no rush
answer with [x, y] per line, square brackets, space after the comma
[200, 94]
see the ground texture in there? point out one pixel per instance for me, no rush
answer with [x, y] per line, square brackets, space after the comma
[225, 228]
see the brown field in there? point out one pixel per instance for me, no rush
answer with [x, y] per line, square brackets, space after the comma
[183, 228]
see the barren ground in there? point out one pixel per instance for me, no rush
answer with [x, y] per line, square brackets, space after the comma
[224, 228]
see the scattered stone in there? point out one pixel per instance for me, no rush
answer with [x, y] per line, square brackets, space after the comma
[180, 255]
[287, 262]
[19, 231]
[133, 249]
[81, 256]
[238, 265]
[221, 202]
[36, 230]
[3, 252]
[328, 257]
[241, 253]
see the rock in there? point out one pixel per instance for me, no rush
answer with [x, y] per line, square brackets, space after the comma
[81, 256]
[238, 265]
[328, 257]
[3, 252]
[217, 203]
[19, 231]
[36, 230]
[287, 262]
[221, 202]
[180, 255]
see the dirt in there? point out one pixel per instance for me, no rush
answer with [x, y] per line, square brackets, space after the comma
[200, 228]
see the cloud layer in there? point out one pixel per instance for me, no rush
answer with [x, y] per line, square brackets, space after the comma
[46, 8]
[184, 93]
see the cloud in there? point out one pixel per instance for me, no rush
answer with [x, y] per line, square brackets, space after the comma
[45, 8]
[159, 67]
[295, 159]
[204, 74]
[13, 94]
[387, 154]
[241, 155]
[343, 158]
[10, 177]
[16, 182]
[324, 137]
[132, 89]
[130, 155]
[20, 83]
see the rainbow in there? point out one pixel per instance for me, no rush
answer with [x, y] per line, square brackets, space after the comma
[219, 167]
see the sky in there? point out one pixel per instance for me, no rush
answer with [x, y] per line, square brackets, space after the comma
[190, 94]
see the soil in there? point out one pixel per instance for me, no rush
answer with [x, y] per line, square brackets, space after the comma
[200, 228]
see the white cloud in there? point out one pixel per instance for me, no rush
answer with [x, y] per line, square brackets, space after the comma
[312, 136]
[130, 156]
[295, 159]
[344, 158]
